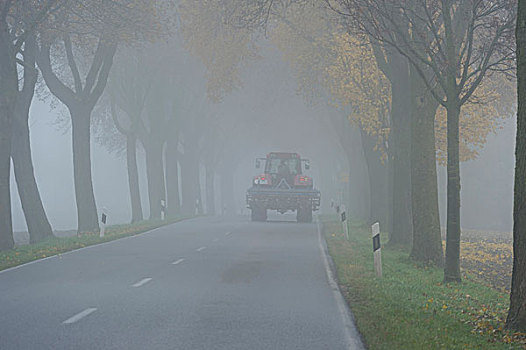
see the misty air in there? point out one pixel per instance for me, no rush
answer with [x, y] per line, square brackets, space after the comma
[262, 174]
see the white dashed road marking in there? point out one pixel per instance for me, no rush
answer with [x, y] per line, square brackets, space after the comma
[226, 234]
[142, 282]
[79, 316]
[201, 249]
[177, 261]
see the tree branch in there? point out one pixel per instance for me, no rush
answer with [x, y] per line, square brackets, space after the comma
[102, 80]
[57, 88]
[39, 18]
[72, 64]
[98, 58]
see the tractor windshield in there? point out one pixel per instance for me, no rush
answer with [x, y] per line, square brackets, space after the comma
[283, 167]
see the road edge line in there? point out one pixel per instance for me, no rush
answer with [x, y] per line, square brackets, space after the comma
[353, 338]
[92, 246]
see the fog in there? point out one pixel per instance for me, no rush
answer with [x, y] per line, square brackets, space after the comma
[273, 116]
[189, 174]
[278, 119]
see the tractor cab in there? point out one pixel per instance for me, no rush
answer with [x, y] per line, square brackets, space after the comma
[284, 170]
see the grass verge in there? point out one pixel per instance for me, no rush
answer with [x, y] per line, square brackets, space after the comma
[410, 307]
[56, 245]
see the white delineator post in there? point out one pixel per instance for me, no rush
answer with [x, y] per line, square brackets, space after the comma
[103, 219]
[344, 223]
[163, 209]
[377, 250]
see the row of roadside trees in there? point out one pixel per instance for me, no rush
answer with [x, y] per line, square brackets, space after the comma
[418, 78]
[72, 45]
[117, 67]
[425, 81]
[120, 70]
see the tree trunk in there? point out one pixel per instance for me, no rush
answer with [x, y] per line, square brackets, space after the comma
[452, 265]
[210, 191]
[357, 198]
[227, 190]
[85, 198]
[377, 181]
[517, 314]
[8, 91]
[172, 177]
[356, 191]
[133, 178]
[80, 103]
[401, 230]
[199, 201]
[190, 179]
[37, 222]
[154, 173]
[427, 240]
[390, 202]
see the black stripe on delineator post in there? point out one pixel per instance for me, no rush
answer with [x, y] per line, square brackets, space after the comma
[103, 219]
[376, 242]
[344, 217]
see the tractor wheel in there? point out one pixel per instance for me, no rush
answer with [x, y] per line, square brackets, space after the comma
[259, 213]
[263, 214]
[304, 214]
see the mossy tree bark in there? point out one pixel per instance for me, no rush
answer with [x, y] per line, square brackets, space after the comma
[85, 197]
[517, 314]
[155, 176]
[80, 100]
[396, 68]
[210, 189]
[356, 196]
[401, 230]
[130, 133]
[172, 175]
[37, 222]
[378, 181]
[227, 188]
[427, 240]
[133, 177]
[452, 263]
[190, 189]
[8, 91]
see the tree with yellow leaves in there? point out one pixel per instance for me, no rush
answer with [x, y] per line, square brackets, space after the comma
[222, 47]
[351, 74]
[452, 46]
[343, 66]
[309, 40]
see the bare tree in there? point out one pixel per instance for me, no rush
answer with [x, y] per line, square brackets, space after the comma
[38, 224]
[87, 38]
[80, 101]
[18, 20]
[129, 86]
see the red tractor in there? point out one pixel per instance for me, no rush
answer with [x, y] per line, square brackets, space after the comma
[283, 187]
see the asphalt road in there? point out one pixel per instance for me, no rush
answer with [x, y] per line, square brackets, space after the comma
[205, 283]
